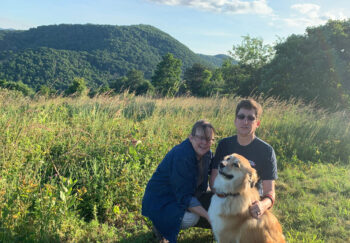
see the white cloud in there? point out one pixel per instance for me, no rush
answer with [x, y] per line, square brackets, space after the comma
[308, 14]
[311, 10]
[223, 6]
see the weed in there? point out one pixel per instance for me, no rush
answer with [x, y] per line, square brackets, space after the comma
[74, 170]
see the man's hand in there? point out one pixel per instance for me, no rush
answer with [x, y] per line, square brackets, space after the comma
[257, 209]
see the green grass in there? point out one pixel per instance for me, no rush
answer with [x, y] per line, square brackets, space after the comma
[74, 170]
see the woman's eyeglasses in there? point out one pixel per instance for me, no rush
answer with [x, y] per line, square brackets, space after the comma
[204, 139]
[249, 117]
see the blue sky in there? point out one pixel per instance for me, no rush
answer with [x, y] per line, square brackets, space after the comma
[205, 26]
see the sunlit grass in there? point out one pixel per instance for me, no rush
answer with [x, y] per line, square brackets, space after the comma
[74, 170]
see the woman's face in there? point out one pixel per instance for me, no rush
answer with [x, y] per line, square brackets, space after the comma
[202, 141]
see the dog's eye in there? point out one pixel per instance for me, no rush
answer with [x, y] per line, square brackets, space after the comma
[236, 165]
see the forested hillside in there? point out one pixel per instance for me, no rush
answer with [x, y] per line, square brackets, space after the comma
[313, 67]
[54, 55]
[217, 60]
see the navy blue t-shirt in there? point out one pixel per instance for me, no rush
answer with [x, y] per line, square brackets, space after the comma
[259, 153]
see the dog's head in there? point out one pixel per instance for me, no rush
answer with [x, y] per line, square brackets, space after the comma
[235, 175]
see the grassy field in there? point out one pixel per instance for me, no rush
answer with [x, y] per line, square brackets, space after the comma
[74, 170]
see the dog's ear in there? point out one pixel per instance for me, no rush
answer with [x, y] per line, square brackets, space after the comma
[253, 178]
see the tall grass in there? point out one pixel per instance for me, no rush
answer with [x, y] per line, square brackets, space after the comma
[74, 170]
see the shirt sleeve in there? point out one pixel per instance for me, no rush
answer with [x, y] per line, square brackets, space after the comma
[183, 179]
[218, 156]
[194, 202]
[270, 168]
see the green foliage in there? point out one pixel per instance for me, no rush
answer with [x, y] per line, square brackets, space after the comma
[313, 67]
[134, 81]
[316, 199]
[102, 90]
[46, 91]
[75, 170]
[55, 69]
[243, 78]
[166, 78]
[18, 86]
[197, 79]
[217, 83]
[232, 75]
[252, 52]
[77, 88]
[217, 60]
[54, 55]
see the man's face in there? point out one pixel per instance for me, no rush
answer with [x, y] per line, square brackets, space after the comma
[246, 122]
[202, 141]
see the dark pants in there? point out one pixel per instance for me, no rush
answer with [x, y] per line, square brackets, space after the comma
[204, 199]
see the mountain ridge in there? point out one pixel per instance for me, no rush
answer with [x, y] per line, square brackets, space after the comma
[98, 53]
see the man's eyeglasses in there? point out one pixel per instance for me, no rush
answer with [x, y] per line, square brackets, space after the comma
[249, 117]
[203, 138]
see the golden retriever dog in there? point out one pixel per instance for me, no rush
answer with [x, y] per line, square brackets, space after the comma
[229, 208]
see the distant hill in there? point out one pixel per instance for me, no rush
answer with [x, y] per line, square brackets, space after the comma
[53, 55]
[7, 29]
[216, 60]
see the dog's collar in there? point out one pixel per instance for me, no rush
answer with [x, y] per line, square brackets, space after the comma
[223, 195]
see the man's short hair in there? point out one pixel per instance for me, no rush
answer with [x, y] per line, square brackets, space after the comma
[250, 104]
[203, 125]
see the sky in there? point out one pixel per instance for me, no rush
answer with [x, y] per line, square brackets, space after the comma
[205, 26]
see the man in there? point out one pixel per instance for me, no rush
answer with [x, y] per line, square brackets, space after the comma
[260, 154]
[172, 196]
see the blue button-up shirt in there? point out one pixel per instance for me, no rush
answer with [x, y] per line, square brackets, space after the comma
[173, 188]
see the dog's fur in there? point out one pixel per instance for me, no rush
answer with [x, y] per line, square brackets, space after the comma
[229, 215]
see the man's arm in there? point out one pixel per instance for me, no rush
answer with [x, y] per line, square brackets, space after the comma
[268, 198]
[214, 173]
[219, 154]
[268, 193]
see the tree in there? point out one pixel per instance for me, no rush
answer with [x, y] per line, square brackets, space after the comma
[19, 86]
[97, 53]
[167, 76]
[197, 79]
[103, 89]
[313, 67]
[46, 91]
[77, 88]
[134, 81]
[217, 82]
[229, 73]
[252, 52]
[243, 78]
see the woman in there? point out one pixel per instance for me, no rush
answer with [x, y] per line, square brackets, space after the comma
[171, 196]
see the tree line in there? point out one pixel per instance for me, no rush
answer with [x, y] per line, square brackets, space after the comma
[314, 67]
[54, 55]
